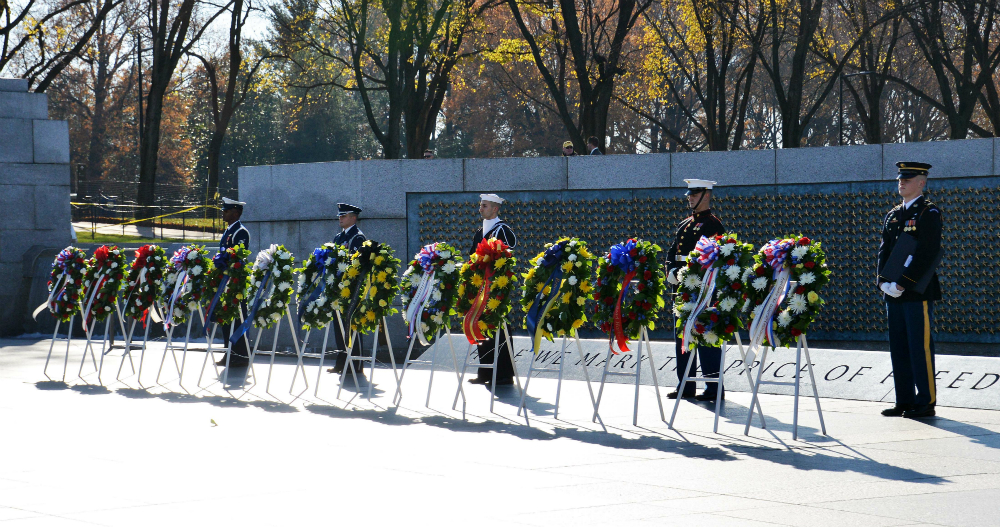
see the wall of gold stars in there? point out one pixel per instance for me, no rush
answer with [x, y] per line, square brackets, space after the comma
[845, 217]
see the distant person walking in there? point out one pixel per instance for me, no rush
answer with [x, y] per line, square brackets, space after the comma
[593, 146]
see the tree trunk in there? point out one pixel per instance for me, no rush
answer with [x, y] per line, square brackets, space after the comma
[150, 147]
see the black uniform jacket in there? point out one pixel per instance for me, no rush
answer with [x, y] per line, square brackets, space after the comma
[923, 221]
[351, 238]
[235, 234]
[689, 232]
[500, 231]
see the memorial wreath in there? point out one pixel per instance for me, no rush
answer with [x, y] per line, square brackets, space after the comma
[710, 295]
[484, 291]
[321, 283]
[228, 278]
[145, 280]
[271, 285]
[184, 284]
[102, 283]
[429, 287]
[65, 284]
[374, 287]
[777, 264]
[622, 317]
[556, 290]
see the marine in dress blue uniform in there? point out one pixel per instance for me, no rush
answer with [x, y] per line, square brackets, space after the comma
[493, 227]
[235, 234]
[350, 236]
[911, 313]
[700, 223]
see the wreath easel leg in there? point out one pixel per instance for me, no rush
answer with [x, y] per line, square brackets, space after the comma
[52, 345]
[128, 347]
[748, 358]
[398, 396]
[812, 380]
[322, 357]
[454, 359]
[298, 352]
[586, 376]
[69, 340]
[604, 378]
[756, 387]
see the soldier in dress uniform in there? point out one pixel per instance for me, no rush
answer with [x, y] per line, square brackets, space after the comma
[493, 227]
[351, 237]
[700, 223]
[235, 234]
[911, 313]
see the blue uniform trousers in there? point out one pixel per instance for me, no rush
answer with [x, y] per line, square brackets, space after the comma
[911, 349]
[711, 358]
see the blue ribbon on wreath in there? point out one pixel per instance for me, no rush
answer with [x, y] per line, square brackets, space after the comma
[553, 255]
[257, 301]
[320, 255]
[221, 261]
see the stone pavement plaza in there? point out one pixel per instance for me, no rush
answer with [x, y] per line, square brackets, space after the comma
[77, 453]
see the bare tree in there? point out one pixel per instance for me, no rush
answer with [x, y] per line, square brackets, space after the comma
[173, 29]
[229, 78]
[579, 48]
[44, 38]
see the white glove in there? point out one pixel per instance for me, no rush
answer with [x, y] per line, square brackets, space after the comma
[672, 277]
[891, 289]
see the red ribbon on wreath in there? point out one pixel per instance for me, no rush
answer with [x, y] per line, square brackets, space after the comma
[487, 253]
[620, 336]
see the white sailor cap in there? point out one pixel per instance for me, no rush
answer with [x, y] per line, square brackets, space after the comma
[493, 198]
[228, 204]
[698, 185]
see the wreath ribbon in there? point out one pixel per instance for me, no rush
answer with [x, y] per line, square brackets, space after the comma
[470, 325]
[415, 311]
[620, 337]
[704, 299]
[179, 284]
[362, 284]
[54, 295]
[762, 325]
[252, 314]
[321, 255]
[215, 300]
[97, 283]
[708, 253]
[542, 304]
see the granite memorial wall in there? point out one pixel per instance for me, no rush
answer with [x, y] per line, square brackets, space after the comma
[838, 195]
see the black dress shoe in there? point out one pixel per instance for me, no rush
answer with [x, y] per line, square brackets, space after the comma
[234, 361]
[707, 396]
[896, 411]
[923, 410]
[335, 369]
[505, 382]
[673, 395]
[479, 380]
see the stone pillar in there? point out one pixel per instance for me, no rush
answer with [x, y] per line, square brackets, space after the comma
[34, 198]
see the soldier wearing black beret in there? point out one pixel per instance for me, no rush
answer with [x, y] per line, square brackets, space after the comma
[910, 297]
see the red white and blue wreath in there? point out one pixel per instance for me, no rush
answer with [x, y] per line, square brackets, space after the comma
[710, 296]
[777, 264]
[430, 288]
[184, 284]
[65, 283]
